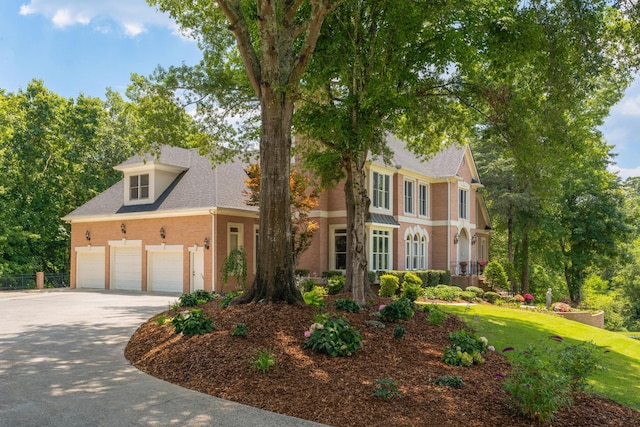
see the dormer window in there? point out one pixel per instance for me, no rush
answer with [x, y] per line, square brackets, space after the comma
[139, 187]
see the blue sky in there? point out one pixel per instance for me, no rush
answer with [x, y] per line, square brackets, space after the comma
[85, 46]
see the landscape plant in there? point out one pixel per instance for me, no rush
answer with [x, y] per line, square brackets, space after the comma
[386, 389]
[192, 322]
[399, 331]
[264, 360]
[400, 309]
[412, 287]
[226, 300]
[335, 284]
[388, 285]
[466, 349]
[334, 336]
[315, 297]
[240, 330]
[346, 304]
[449, 381]
[495, 276]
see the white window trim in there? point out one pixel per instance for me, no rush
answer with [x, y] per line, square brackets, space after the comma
[413, 196]
[421, 233]
[389, 254]
[390, 190]
[466, 205]
[427, 213]
[240, 233]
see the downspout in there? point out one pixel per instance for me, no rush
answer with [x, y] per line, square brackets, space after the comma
[448, 225]
[212, 245]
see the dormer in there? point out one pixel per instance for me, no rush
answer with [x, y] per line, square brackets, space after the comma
[145, 182]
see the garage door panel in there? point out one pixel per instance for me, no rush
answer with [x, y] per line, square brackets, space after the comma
[90, 270]
[165, 271]
[127, 268]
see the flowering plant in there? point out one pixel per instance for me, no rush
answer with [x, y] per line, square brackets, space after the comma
[482, 262]
[561, 307]
[528, 298]
[518, 298]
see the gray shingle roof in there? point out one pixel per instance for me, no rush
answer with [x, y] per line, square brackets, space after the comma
[445, 163]
[200, 186]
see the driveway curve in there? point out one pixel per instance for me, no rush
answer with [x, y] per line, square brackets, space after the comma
[62, 364]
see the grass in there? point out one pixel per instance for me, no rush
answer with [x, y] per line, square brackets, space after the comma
[508, 327]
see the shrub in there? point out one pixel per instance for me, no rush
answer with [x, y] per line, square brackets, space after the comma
[315, 297]
[476, 290]
[466, 350]
[401, 309]
[388, 285]
[161, 319]
[264, 360]
[437, 316]
[301, 272]
[331, 273]
[386, 389]
[449, 381]
[193, 322]
[381, 325]
[447, 293]
[412, 292]
[235, 265]
[201, 294]
[536, 387]
[346, 304]
[561, 307]
[495, 275]
[491, 297]
[543, 377]
[308, 285]
[228, 297]
[467, 296]
[429, 293]
[240, 330]
[411, 279]
[334, 336]
[188, 300]
[399, 331]
[335, 284]
[518, 299]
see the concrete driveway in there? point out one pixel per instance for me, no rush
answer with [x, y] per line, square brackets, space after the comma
[62, 364]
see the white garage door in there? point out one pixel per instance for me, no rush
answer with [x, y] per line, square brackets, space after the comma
[127, 268]
[90, 270]
[165, 271]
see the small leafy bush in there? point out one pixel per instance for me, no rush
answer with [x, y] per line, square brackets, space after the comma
[398, 332]
[447, 293]
[437, 316]
[315, 297]
[334, 336]
[335, 284]
[228, 297]
[386, 389]
[388, 285]
[412, 287]
[308, 285]
[401, 309]
[346, 304]
[467, 296]
[240, 330]
[192, 322]
[264, 360]
[161, 319]
[492, 297]
[476, 290]
[429, 293]
[561, 307]
[201, 294]
[188, 300]
[449, 381]
[543, 377]
[466, 349]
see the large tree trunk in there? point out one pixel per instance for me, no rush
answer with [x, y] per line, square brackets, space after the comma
[524, 277]
[357, 201]
[274, 279]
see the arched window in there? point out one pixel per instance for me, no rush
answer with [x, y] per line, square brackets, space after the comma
[415, 252]
[407, 253]
[423, 253]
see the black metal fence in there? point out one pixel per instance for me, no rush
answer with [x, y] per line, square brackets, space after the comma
[28, 281]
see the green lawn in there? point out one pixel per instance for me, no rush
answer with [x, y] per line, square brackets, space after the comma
[508, 327]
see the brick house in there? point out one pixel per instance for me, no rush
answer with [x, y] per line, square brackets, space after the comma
[169, 224]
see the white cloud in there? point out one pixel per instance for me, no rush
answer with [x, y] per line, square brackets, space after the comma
[625, 173]
[133, 16]
[631, 106]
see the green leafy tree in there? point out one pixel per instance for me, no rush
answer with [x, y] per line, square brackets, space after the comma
[255, 53]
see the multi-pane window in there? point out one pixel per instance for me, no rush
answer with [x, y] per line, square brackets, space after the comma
[340, 249]
[423, 200]
[139, 187]
[381, 186]
[408, 197]
[380, 250]
[234, 237]
[464, 204]
[415, 252]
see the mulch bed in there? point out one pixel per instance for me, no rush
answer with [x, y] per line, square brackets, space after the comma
[338, 391]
